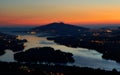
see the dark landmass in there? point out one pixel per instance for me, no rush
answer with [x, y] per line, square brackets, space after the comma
[60, 29]
[44, 54]
[105, 41]
[10, 42]
[40, 69]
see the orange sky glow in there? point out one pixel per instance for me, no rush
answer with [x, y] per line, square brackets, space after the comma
[39, 12]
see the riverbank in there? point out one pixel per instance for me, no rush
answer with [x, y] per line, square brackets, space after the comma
[11, 42]
[108, 46]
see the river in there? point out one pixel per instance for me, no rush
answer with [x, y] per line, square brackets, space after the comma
[83, 57]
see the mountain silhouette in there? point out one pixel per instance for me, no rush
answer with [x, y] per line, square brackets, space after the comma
[60, 29]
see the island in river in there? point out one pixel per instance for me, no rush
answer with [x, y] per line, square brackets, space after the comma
[44, 54]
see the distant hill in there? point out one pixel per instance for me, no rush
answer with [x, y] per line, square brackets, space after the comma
[61, 29]
[100, 26]
[110, 27]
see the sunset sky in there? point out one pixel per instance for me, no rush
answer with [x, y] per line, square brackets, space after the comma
[36, 12]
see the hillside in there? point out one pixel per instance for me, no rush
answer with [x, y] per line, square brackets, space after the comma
[60, 29]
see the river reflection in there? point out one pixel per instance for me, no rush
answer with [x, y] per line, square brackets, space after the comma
[83, 57]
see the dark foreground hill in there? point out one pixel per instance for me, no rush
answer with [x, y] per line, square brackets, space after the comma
[40, 69]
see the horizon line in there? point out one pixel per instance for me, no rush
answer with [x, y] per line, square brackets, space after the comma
[77, 24]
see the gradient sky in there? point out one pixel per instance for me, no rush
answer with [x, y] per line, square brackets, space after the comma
[69, 11]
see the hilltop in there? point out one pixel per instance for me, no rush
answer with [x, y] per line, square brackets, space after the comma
[60, 29]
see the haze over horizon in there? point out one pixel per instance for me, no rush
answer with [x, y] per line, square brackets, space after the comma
[40, 12]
